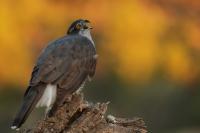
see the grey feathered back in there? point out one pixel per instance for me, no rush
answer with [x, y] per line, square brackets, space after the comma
[65, 61]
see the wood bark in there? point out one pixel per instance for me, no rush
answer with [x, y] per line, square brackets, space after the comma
[77, 115]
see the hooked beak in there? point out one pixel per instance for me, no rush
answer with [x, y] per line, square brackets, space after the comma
[87, 26]
[87, 21]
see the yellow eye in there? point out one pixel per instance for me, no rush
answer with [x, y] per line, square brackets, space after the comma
[78, 26]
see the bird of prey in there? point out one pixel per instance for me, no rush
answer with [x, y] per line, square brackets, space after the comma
[62, 68]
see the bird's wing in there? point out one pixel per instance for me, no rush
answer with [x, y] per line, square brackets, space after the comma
[66, 62]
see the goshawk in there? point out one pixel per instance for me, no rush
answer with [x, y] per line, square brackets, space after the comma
[62, 68]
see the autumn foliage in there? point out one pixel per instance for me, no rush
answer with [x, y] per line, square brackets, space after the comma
[135, 38]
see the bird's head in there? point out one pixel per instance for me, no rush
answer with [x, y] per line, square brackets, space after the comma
[79, 26]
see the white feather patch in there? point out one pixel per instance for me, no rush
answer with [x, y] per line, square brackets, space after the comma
[49, 96]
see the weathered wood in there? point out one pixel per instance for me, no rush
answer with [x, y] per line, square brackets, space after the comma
[78, 116]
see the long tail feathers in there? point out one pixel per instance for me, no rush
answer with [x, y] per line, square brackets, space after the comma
[29, 102]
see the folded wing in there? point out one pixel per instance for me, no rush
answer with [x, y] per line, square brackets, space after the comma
[66, 64]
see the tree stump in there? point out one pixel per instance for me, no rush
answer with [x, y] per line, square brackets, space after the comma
[78, 116]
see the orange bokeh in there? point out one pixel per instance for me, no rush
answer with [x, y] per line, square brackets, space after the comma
[134, 38]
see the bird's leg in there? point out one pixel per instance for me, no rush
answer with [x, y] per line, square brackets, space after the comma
[47, 112]
[51, 111]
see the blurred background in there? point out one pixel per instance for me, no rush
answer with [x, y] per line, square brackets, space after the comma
[149, 57]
